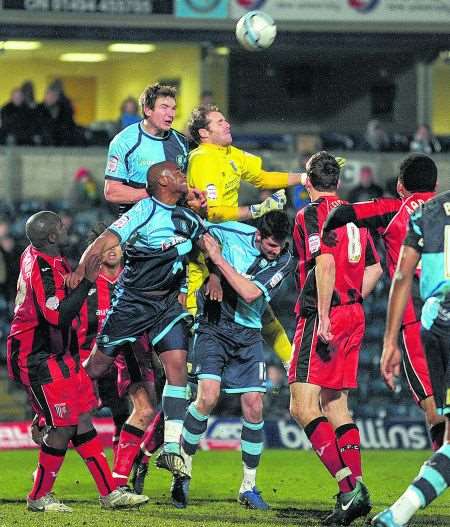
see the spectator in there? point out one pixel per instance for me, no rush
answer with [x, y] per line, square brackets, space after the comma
[16, 120]
[376, 137]
[367, 188]
[424, 141]
[84, 193]
[129, 113]
[9, 262]
[28, 94]
[56, 123]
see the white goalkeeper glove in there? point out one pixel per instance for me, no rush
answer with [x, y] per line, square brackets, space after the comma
[276, 201]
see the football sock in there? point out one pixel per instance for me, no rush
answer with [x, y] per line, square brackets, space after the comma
[275, 336]
[323, 439]
[115, 446]
[249, 480]
[437, 432]
[128, 449]
[50, 461]
[174, 409]
[349, 445]
[252, 443]
[154, 435]
[194, 427]
[433, 479]
[89, 447]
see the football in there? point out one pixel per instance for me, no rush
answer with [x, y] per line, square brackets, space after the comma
[256, 31]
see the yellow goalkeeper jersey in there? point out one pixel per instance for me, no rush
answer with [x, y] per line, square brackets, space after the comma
[218, 171]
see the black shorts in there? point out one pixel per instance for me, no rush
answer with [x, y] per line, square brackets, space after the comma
[162, 318]
[437, 347]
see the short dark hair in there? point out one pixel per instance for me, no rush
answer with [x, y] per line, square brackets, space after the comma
[199, 119]
[418, 173]
[275, 223]
[323, 171]
[152, 92]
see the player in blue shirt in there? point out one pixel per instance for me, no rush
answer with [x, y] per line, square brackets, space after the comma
[428, 241]
[139, 146]
[228, 346]
[159, 235]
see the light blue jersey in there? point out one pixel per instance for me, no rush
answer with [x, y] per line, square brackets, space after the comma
[239, 250]
[133, 151]
[159, 238]
[429, 234]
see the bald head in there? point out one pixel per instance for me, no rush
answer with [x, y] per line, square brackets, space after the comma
[41, 226]
[158, 170]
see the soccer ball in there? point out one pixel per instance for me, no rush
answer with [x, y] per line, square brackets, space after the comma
[256, 31]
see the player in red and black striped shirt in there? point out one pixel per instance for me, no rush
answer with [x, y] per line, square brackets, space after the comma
[334, 273]
[389, 217]
[43, 356]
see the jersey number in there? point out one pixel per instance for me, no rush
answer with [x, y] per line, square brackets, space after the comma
[354, 243]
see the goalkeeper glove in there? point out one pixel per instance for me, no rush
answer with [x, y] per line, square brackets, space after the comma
[341, 162]
[276, 201]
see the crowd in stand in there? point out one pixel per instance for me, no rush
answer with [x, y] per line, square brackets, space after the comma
[24, 121]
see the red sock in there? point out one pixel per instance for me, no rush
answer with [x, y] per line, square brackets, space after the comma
[115, 446]
[90, 448]
[50, 461]
[323, 440]
[154, 435]
[129, 443]
[349, 445]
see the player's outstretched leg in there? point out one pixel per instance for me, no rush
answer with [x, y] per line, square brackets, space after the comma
[432, 481]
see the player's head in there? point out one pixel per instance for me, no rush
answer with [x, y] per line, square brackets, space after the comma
[274, 231]
[112, 258]
[418, 173]
[322, 170]
[46, 232]
[158, 106]
[166, 180]
[208, 125]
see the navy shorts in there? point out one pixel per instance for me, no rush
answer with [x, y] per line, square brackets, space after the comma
[162, 318]
[436, 341]
[232, 355]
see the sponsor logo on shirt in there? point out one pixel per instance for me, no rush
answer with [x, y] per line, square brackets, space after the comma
[211, 191]
[276, 279]
[91, 291]
[176, 240]
[314, 243]
[52, 303]
[112, 164]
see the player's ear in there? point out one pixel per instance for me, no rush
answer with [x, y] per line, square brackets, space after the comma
[147, 111]
[203, 133]
[258, 236]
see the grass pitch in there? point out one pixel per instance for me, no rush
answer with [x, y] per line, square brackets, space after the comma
[294, 483]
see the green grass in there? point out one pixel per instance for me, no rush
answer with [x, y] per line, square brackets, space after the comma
[295, 484]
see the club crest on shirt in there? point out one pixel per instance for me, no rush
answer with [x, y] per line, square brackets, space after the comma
[61, 409]
[211, 191]
[52, 303]
[112, 164]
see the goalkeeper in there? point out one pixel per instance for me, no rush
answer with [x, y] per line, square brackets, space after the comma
[217, 168]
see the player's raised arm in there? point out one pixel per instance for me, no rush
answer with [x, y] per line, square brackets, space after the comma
[118, 192]
[243, 287]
